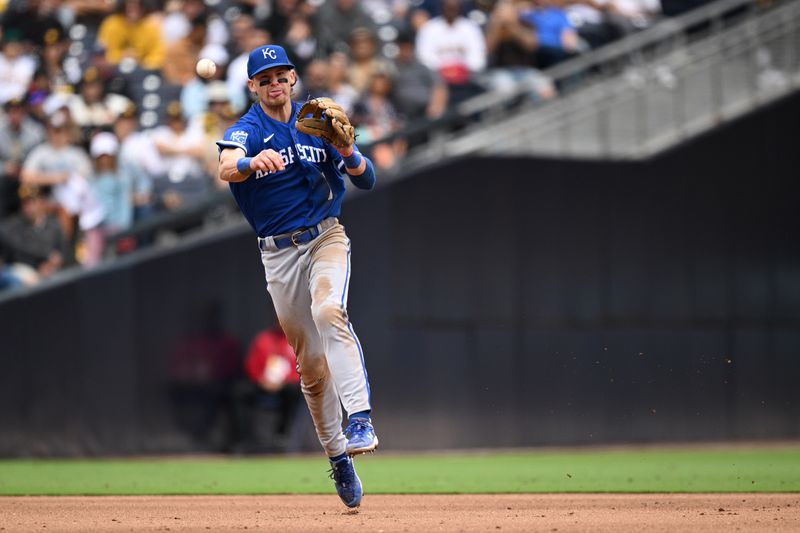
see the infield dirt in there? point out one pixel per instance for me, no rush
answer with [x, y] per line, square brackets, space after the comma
[505, 512]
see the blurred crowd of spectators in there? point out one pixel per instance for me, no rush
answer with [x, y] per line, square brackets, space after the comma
[104, 121]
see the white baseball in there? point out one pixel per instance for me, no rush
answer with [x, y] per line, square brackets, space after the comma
[206, 68]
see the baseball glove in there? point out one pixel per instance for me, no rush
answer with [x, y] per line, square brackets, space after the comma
[324, 118]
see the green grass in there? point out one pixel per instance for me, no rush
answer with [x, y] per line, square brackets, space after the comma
[664, 470]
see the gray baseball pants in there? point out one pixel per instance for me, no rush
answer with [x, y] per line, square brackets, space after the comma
[309, 286]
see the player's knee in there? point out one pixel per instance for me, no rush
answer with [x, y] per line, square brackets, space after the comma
[313, 370]
[327, 315]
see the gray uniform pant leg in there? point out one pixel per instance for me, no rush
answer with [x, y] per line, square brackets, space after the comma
[309, 285]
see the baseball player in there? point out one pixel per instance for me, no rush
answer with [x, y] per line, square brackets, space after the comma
[289, 185]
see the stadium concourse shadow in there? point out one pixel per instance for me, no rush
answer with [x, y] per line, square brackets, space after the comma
[500, 302]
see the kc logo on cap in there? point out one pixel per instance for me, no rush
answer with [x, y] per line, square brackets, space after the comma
[265, 57]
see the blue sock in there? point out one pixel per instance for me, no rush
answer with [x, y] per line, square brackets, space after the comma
[338, 457]
[363, 415]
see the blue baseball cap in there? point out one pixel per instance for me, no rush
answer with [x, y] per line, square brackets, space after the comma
[267, 56]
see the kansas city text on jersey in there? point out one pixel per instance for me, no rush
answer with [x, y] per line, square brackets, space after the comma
[305, 152]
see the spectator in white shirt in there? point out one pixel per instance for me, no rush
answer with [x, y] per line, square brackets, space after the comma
[453, 46]
[16, 67]
[93, 108]
[183, 179]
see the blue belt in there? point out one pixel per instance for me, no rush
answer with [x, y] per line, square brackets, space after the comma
[298, 237]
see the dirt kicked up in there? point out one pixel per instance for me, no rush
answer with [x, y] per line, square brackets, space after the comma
[503, 512]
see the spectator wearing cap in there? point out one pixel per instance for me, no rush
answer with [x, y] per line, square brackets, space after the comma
[453, 46]
[16, 66]
[53, 54]
[112, 187]
[55, 109]
[139, 161]
[132, 33]
[182, 55]
[421, 91]
[38, 93]
[53, 162]
[19, 134]
[32, 245]
[92, 108]
[335, 21]
[183, 179]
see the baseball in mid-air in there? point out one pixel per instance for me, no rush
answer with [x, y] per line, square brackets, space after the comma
[206, 68]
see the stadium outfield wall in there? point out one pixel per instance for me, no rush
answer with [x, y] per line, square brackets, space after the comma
[500, 302]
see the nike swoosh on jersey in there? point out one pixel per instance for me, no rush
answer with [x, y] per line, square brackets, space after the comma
[268, 138]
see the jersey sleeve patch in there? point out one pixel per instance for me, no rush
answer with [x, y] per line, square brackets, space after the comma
[236, 136]
[239, 137]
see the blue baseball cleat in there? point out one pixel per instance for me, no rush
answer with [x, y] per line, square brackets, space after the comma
[348, 486]
[361, 437]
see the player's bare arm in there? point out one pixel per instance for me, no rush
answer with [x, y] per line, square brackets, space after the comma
[233, 164]
[227, 165]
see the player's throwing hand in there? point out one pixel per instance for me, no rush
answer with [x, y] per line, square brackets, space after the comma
[268, 160]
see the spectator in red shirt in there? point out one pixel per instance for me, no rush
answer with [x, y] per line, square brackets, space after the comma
[271, 363]
[273, 384]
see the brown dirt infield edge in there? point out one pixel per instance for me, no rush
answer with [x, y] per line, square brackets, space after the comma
[384, 513]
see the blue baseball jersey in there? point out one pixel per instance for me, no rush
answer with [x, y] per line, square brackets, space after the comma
[309, 189]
